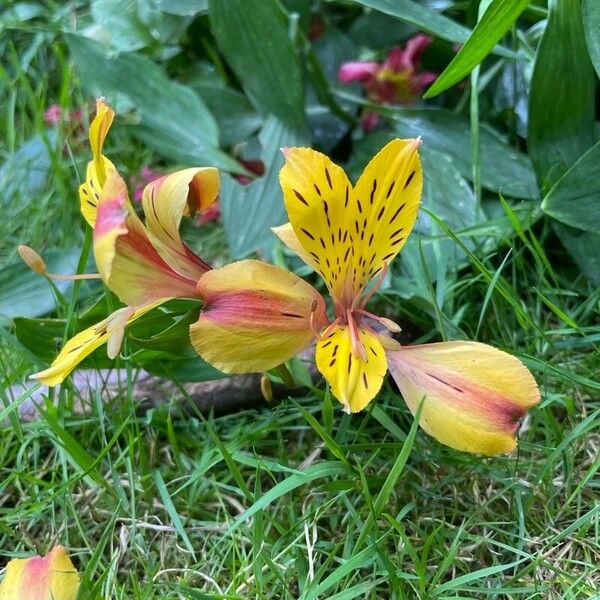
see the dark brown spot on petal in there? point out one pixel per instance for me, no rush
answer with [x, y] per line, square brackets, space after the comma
[317, 189]
[315, 256]
[397, 232]
[347, 196]
[380, 214]
[335, 349]
[373, 190]
[326, 344]
[300, 197]
[409, 179]
[307, 233]
[365, 381]
[332, 362]
[370, 239]
[390, 190]
[346, 254]
[457, 389]
[397, 212]
[359, 205]
[388, 256]
[294, 315]
[322, 242]
[349, 362]
[328, 177]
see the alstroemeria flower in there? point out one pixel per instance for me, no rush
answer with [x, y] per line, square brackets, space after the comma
[144, 263]
[256, 315]
[52, 577]
[395, 81]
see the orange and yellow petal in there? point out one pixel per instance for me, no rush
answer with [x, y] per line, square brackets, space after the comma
[166, 200]
[475, 395]
[99, 167]
[52, 577]
[355, 376]
[351, 232]
[126, 257]
[85, 342]
[255, 317]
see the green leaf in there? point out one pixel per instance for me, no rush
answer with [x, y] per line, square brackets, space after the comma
[248, 212]
[25, 173]
[590, 10]
[235, 115]
[24, 293]
[561, 116]
[173, 119]
[496, 21]
[503, 169]
[561, 100]
[425, 19]
[253, 37]
[575, 197]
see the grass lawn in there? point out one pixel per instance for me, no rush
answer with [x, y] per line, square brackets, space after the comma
[294, 498]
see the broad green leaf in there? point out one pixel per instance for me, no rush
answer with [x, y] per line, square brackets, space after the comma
[425, 19]
[253, 37]
[248, 212]
[503, 169]
[182, 8]
[173, 119]
[236, 117]
[496, 21]
[590, 10]
[25, 173]
[575, 197]
[24, 293]
[561, 101]
[561, 116]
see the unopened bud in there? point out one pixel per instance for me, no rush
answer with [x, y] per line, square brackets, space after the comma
[32, 259]
[266, 388]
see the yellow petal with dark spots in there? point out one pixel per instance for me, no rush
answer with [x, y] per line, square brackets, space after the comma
[99, 167]
[475, 395]
[351, 232]
[354, 379]
[85, 342]
[255, 316]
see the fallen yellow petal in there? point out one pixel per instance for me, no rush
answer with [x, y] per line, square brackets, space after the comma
[52, 577]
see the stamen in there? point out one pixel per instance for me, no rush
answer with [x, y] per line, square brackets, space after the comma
[372, 291]
[358, 348]
[328, 330]
[387, 323]
[36, 263]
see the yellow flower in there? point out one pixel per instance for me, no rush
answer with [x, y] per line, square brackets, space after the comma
[256, 316]
[52, 577]
[143, 263]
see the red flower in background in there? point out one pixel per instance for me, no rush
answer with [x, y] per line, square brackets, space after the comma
[395, 81]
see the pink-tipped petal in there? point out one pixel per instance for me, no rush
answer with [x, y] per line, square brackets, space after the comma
[255, 317]
[474, 395]
[51, 577]
[361, 71]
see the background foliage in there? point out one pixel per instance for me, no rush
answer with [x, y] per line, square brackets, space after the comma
[298, 500]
